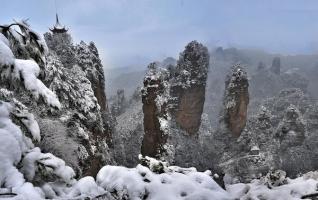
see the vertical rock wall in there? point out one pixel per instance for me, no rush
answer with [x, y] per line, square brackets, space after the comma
[75, 74]
[236, 99]
[188, 87]
[275, 68]
[154, 109]
[173, 99]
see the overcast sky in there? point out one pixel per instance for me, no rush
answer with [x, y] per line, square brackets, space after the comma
[134, 32]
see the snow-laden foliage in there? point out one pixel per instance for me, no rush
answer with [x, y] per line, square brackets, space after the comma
[13, 147]
[192, 66]
[85, 114]
[87, 56]
[20, 70]
[34, 158]
[20, 111]
[28, 70]
[128, 135]
[65, 82]
[75, 73]
[31, 124]
[62, 45]
[24, 42]
[6, 55]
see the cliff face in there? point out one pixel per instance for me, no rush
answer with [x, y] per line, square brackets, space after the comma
[236, 99]
[173, 99]
[118, 103]
[78, 80]
[268, 82]
[291, 130]
[275, 68]
[154, 112]
[88, 59]
[190, 109]
[281, 135]
[188, 86]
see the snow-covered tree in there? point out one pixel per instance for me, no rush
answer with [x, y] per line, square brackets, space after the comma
[62, 45]
[16, 147]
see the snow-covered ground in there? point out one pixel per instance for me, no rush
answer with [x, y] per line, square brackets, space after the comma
[124, 183]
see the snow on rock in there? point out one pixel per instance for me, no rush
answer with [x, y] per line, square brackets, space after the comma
[235, 100]
[86, 187]
[88, 101]
[153, 164]
[27, 192]
[65, 83]
[275, 178]
[155, 94]
[193, 65]
[257, 189]
[141, 183]
[34, 157]
[188, 87]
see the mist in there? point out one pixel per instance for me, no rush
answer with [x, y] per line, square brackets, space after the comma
[134, 33]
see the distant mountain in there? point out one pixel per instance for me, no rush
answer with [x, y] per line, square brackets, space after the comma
[127, 78]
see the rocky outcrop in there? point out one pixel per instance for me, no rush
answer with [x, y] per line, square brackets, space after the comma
[292, 79]
[290, 113]
[88, 59]
[291, 130]
[173, 98]
[77, 77]
[118, 103]
[188, 87]
[275, 68]
[155, 112]
[236, 100]
[128, 135]
[280, 133]
[261, 66]
[190, 109]
[266, 83]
